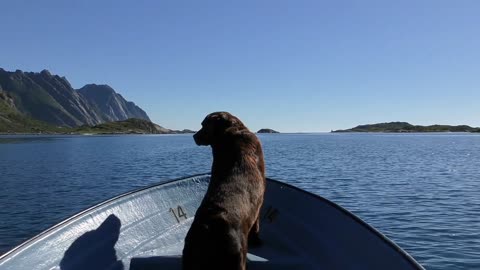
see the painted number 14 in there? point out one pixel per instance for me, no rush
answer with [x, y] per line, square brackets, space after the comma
[178, 213]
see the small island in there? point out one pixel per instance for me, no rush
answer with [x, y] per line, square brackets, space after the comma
[267, 130]
[404, 127]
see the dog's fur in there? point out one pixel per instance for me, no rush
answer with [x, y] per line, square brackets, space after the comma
[228, 217]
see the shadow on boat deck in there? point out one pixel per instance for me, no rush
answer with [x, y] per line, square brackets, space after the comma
[83, 254]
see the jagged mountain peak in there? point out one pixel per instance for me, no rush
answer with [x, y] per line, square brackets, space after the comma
[46, 73]
[97, 87]
[112, 103]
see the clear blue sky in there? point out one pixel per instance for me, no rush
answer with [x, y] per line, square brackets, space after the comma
[286, 65]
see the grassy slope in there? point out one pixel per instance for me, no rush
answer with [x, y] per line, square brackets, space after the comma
[11, 121]
[129, 126]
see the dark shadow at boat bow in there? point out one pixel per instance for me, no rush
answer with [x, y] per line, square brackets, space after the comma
[95, 250]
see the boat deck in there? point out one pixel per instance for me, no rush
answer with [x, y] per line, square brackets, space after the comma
[145, 229]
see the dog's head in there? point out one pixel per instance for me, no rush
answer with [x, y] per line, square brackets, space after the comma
[216, 125]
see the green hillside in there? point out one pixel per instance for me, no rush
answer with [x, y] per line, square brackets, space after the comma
[129, 126]
[400, 127]
[11, 121]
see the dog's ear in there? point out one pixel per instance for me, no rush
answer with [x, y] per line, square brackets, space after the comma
[229, 120]
[222, 121]
[220, 117]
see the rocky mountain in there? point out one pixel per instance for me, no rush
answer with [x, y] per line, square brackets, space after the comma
[6, 100]
[113, 106]
[51, 99]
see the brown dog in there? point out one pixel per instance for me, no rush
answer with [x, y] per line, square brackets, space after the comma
[228, 217]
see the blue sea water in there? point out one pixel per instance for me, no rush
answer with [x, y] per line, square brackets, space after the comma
[420, 190]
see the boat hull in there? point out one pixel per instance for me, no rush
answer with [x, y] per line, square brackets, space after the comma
[145, 229]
